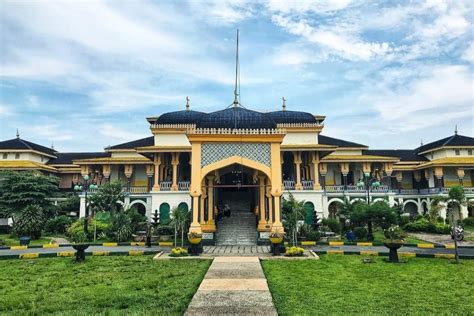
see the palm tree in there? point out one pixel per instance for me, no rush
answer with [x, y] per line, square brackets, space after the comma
[179, 219]
[456, 194]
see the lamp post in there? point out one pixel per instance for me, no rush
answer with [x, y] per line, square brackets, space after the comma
[368, 182]
[84, 188]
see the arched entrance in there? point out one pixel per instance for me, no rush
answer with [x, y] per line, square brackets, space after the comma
[309, 213]
[231, 202]
[164, 214]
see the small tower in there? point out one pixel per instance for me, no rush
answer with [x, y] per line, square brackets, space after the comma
[187, 103]
[283, 106]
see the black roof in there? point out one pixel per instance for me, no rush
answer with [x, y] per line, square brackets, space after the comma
[180, 117]
[292, 117]
[234, 117]
[455, 140]
[237, 118]
[142, 142]
[403, 154]
[21, 144]
[326, 140]
[67, 158]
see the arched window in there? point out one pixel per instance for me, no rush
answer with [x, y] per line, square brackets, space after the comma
[309, 213]
[164, 214]
[141, 209]
[183, 206]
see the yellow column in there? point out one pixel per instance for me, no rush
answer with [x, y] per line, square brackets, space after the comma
[175, 163]
[195, 187]
[106, 171]
[210, 226]
[276, 184]
[270, 205]
[262, 223]
[461, 174]
[366, 168]
[297, 158]
[156, 164]
[438, 171]
[315, 161]
[203, 199]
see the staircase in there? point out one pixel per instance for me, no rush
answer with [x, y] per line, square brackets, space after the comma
[239, 228]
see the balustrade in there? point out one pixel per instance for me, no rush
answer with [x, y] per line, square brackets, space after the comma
[289, 184]
[165, 185]
[307, 184]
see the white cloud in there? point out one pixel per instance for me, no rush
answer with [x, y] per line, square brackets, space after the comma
[299, 7]
[224, 11]
[6, 110]
[468, 54]
[119, 133]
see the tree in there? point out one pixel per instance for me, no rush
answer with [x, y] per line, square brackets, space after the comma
[107, 198]
[379, 213]
[179, 219]
[21, 189]
[456, 193]
[292, 211]
[29, 221]
[435, 208]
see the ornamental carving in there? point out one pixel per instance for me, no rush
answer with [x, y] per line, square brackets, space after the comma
[213, 152]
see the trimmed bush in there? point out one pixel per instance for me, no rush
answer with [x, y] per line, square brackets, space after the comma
[361, 233]
[333, 224]
[58, 224]
[423, 225]
[468, 221]
[76, 230]
[294, 251]
[313, 235]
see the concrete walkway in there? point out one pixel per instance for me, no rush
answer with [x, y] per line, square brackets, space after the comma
[233, 285]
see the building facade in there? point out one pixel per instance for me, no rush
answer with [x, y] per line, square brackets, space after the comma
[201, 161]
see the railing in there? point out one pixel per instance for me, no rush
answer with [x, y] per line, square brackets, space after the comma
[355, 188]
[183, 185]
[165, 185]
[138, 190]
[469, 190]
[409, 191]
[307, 184]
[289, 184]
[334, 188]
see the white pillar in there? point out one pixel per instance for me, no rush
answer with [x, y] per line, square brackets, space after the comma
[82, 207]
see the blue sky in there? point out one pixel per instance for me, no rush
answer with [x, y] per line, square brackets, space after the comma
[85, 74]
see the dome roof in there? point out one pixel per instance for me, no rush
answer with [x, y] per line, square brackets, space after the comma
[281, 117]
[180, 117]
[237, 118]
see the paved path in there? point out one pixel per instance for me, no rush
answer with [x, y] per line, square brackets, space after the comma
[233, 285]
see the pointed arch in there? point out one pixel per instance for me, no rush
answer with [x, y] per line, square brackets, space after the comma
[236, 160]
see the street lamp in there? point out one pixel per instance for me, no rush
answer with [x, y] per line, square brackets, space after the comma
[84, 188]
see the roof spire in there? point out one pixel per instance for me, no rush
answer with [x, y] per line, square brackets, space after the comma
[421, 142]
[283, 103]
[52, 145]
[237, 75]
[456, 129]
[187, 103]
[17, 133]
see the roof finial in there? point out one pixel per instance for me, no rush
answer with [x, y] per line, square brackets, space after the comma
[456, 129]
[52, 145]
[187, 103]
[237, 77]
[284, 103]
[421, 142]
[17, 133]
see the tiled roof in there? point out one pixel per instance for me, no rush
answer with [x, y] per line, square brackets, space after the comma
[281, 117]
[67, 158]
[455, 140]
[180, 117]
[143, 142]
[449, 161]
[326, 140]
[237, 118]
[21, 144]
[403, 154]
[343, 158]
[24, 165]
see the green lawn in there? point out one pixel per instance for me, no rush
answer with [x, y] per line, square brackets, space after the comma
[9, 240]
[341, 285]
[125, 285]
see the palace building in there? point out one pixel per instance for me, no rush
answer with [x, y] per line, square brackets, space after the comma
[244, 161]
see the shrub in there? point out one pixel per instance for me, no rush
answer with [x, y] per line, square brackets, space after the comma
[76, 230]
[29, 222]
[135, 218]
[120, 227]
[179, 252]
[469, 221]
[294, 251]
[394, 233]
[403, 219]
[361, 233]
[304, 230]
[423, 225]
[58, 224]
[441, 228]
[165, 230]
[333, 224]
[314, 235]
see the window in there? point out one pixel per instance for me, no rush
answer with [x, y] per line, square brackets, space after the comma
[457, 152]
[17, 156]
[5, 155]
[469, 152]
[42, 159]
[431, 155]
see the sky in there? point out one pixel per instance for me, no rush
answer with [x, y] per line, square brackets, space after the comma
[83, 75]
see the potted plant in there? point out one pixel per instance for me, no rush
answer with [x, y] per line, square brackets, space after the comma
[394, 239]
[194, 238]
[276, 237]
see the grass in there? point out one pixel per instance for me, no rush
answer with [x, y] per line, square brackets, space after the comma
[379, 237]
[9, 240]
[342, 285]
[112, 285]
